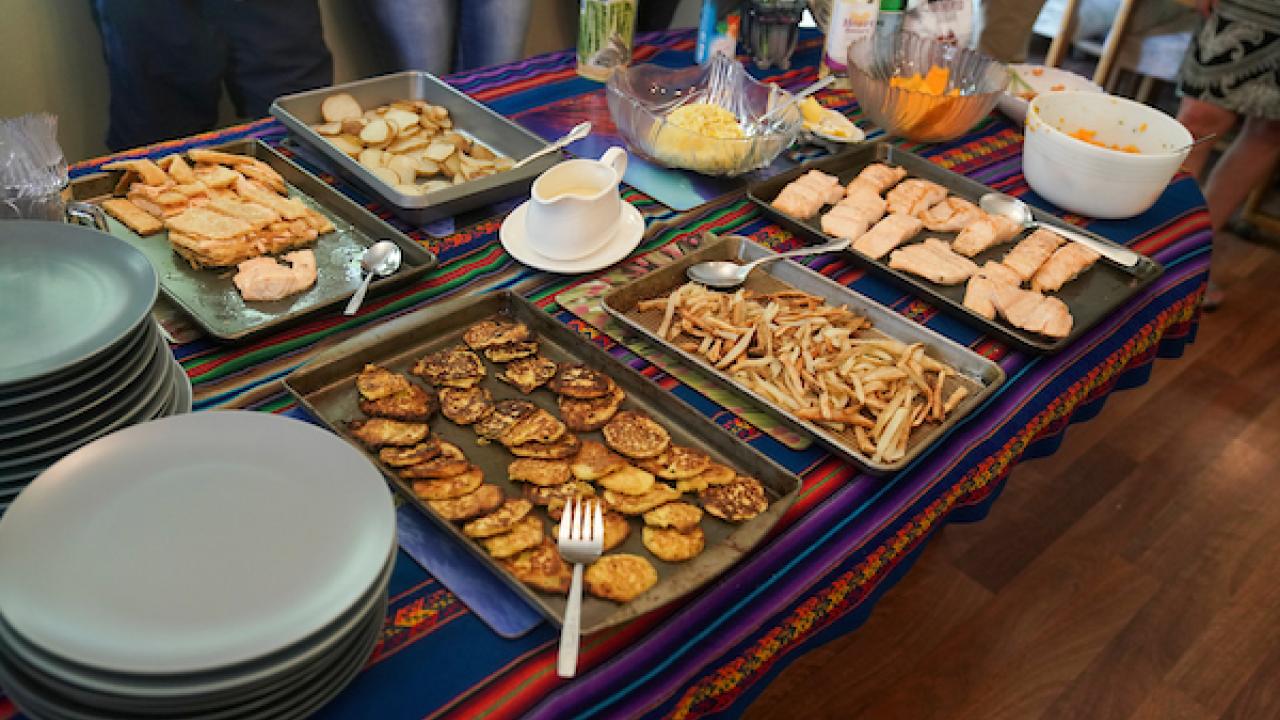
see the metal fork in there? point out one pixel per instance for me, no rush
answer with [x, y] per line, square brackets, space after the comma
[581, 541]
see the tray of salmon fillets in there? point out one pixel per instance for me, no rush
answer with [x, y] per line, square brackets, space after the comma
[919, 225]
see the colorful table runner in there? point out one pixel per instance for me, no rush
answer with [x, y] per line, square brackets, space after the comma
[847, 539]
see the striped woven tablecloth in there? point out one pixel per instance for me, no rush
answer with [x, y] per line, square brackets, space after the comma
[847, 539]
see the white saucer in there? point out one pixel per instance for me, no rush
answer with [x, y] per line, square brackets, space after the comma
[626, 236]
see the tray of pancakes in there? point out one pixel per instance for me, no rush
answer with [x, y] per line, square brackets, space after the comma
[242, 238]
[490, 416]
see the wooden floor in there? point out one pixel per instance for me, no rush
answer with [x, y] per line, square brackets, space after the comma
[1134, 574]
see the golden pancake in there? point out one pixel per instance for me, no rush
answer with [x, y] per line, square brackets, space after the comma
[594, 461]
[528, 374]
[465, 406]
[540, 426]
[526, 534]
[740, 500]
[544, 494]
[659, 494]
[483, 501]
[673, 545]
[677, 463]
[450, 487]
[539, 472]
[580, 381]
[451, 367]
[511, 351]
[505, 414]
[490, 333]
[566, 447]
[630, 480]
[405, 457]
[499, 521]
[619, 577]
[375, 382]
[412, 404]
[588, 415]
[541, 567]
[616, 527]
[636, 435]
[380, 432]
[441, 466]
[715, 474]
[678, 515]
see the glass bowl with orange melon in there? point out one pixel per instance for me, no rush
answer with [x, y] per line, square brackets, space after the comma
[923, 89]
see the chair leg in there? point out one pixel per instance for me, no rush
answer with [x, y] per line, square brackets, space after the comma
[1145, 87]
[1115, 39]
[1062, 41]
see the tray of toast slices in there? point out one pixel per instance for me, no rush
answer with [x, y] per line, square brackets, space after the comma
[243, 239]
[490, 415]
[869, 383]
[919, 224]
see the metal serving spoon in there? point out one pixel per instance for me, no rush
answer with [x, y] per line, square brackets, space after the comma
[761, 121]
[381, 259]
[727, 274]
[578, 132]
[996, 203]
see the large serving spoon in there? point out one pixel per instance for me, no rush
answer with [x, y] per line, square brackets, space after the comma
[381, 259]
[996, 203]
[575, 134]
[727, 274]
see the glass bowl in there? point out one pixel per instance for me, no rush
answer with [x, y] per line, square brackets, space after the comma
[640, 98]
[977, 80]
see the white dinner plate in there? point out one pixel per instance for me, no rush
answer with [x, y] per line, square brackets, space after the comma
[193, 543]
[626, 236]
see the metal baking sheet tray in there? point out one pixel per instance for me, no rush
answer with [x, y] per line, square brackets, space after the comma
[301, 110]
[326, 388]
[1091, 297]
[210, 297]
[980, 375]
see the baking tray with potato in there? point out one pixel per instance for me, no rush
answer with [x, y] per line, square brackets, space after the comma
[426, 149]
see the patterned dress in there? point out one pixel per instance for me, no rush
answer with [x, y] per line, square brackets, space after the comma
[1234, 60]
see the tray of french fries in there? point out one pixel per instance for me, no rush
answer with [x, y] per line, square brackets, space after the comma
[424, 148]
[489, 415]
[243, 239]
[870, 384]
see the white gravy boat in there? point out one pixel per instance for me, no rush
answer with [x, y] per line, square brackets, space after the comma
[575, 206]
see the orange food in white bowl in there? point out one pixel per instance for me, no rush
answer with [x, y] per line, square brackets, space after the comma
[1099, 155]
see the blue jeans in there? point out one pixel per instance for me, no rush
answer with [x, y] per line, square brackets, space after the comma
[443, 36]
[167, 61]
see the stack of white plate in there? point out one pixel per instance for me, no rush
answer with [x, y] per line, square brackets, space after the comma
[80, 355]
[211, 565]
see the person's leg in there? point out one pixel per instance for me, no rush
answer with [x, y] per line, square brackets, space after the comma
[275, 48]
[491, 32]
[164, 69]
[1005, 30]
[1203, 118]
[1246, 164]
[420, 32]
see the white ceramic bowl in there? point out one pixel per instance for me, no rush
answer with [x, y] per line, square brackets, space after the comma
[1049, 79]
[1094, 181]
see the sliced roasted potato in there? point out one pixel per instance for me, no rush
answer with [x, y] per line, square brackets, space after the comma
[349, 144]
[328, 128]
[452, 165]
[503, 163]
[406, 105]
[439, 112]
[480, 152]
[386, 175]
[353, 126]
[372, 158]
[459, 141]
[371, 114]
[404, 166]
[428, 167]
[401, 118]
[409, 144]
[433, 185]
[339, 107]
[377, 132]
[409, 189]
[438, 150]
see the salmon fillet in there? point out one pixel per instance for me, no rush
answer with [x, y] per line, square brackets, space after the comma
[915, 196]
[887, 234]
[950, 215]
[978, 294]
[866, 202]
[1031, 252]
[1031, 311]
[798, 201]
[844, 222]
[879, 177]
[826, 186]
[987, 231]
[1066, 263]
[933, 260]
[262, 279]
